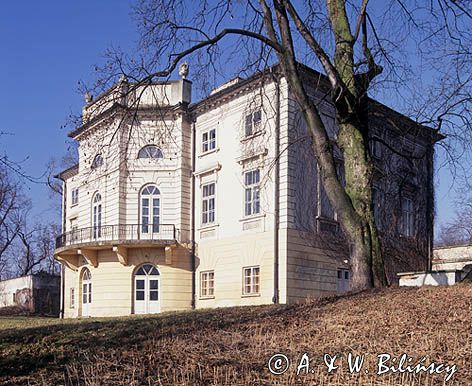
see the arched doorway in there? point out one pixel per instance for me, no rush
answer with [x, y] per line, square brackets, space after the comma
[86, 292]
[146, 290]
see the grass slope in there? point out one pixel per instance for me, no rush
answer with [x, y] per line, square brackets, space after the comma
[232, 346]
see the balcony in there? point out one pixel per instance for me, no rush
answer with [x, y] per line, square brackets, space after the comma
[87, 242]
[118, 234]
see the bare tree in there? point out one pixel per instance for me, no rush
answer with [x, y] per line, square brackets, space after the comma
[55, 165]
[459, 230]
[353, 43]
[13, 204]
[34, 249]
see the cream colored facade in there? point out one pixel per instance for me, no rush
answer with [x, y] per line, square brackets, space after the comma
[232, 202]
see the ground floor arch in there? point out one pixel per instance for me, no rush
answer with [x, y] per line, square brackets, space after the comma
[147, 299]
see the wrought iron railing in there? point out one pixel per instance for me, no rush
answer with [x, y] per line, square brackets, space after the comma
[121, 232]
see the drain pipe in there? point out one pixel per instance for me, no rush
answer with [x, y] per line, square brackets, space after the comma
[64, 216]
[276, 299]
[193, 214]
[430, 206]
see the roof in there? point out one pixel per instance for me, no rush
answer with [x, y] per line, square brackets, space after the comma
[439, 247]
[40, 274]
[69, 172]
[253, 80]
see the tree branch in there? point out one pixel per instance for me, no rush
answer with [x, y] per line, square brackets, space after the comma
[333, 75]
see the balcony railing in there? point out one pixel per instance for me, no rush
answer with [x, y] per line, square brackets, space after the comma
[121, 232]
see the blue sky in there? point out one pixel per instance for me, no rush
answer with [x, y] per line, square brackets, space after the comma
[47, 47]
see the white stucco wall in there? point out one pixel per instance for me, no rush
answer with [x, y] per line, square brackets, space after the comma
[9, 287]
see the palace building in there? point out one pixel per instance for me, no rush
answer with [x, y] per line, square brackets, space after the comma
[176, 205]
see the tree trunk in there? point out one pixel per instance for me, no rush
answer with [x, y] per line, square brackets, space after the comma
[353, 202]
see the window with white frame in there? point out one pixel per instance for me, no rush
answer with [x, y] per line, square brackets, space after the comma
[74, 235]
[207, 283]
[252, 192]
[97, 161]
[150, 209]
[209, 140]
[150, 152]
[408, 217]
[72, 298]
[208, 203]
[75, 196]
[97, 215]
[251, 284]
[252, 123]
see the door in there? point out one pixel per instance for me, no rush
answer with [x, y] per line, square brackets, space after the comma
[146, 290]
[86, 292]
[150, 211]
[343, 281]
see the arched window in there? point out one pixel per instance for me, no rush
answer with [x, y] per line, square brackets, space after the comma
[146, 290]
[150, 209]
[97, 215]
[150, 151]
[86, 291]
[97, 161]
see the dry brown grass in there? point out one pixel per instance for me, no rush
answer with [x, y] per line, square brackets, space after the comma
[232, 346]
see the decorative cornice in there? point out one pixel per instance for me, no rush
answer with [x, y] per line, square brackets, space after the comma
[68, 173]
[117, 108]
[208, 169]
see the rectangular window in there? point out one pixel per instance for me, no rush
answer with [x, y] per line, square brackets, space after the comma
[375, 149]
[325, 209]
[209, 140]
[408, 217]
[140, 289]
[376, 202]
[75, 196]
[252, 192]
[251, 284]
[208, 203]
[252, 123]
[207, 283]
[74, 231]
[72, 298]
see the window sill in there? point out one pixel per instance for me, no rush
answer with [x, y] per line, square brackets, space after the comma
[208, 226]
[253, 217]
[327, 219]
[250, 295]
[253, 135]
[206, 297]
[215, 150]
[74, 205]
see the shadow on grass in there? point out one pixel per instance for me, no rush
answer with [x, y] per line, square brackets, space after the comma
[27, 350]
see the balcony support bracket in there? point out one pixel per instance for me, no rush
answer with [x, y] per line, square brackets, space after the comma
[121, 254]
[71, 261]
[90, 255]
[169, 250]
